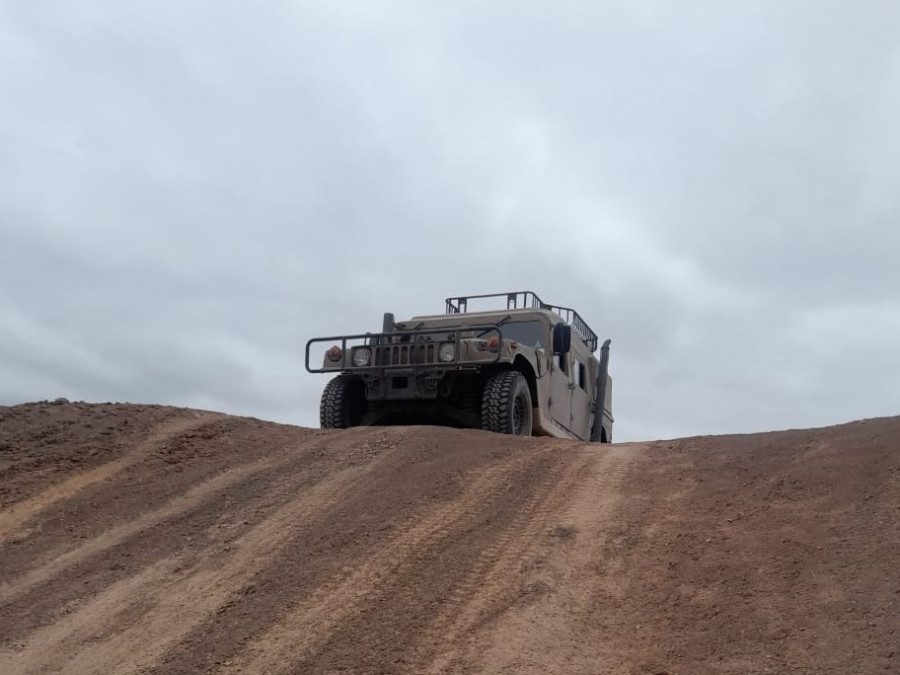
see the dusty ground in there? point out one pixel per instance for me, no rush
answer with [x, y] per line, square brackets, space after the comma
[143, 539]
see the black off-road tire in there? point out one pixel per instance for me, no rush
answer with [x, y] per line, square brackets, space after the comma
[343, 403]
[506, 404]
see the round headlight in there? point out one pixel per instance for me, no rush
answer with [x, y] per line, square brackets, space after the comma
[447, 352]
[362, 356]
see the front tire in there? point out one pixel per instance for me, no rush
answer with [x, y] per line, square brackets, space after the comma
[343, 403]
[506, 404]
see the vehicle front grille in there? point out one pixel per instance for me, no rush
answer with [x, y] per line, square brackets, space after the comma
[406, 354]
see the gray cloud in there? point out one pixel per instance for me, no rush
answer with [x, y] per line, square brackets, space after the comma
[189, 193]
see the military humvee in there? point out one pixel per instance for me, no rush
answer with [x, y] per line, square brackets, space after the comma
[528, 368]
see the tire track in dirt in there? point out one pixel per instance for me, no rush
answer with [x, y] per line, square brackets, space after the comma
[55, 647]
[175, 507]
[189, 530]
[166, 605]
[569, 563]
[21, 512]
[158, 486]
[312, 620]
[497, 580]
[399, 489]
[385, 632]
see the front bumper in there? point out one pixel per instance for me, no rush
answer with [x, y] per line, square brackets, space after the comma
[408, 353]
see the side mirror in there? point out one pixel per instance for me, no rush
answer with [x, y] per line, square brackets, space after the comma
[562, 338]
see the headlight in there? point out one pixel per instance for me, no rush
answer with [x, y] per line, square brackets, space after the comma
[362, 356]
[447, 352]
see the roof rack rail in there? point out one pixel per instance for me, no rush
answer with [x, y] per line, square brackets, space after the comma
[529, 300]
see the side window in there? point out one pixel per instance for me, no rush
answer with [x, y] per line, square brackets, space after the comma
[580, 375]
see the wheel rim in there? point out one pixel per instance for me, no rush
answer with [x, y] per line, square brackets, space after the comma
[518, 416]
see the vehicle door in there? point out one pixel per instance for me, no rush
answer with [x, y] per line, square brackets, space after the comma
[561, 389]
[582, 388]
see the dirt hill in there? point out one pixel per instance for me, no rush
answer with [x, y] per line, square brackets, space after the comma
[145, 539]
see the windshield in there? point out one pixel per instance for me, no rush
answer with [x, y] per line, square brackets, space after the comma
[531, 333]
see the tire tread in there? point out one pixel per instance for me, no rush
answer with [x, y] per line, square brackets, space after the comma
[335, 398]
[495, 404]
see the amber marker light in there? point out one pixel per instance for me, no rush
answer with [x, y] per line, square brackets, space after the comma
[334, 354]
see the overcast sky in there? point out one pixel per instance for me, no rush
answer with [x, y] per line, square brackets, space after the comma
[190, 191]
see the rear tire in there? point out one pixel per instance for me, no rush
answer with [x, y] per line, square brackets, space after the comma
[343, 403]
[506, 404]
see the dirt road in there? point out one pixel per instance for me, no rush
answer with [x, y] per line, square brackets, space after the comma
[144, 539]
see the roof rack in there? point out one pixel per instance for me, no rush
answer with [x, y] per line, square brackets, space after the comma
[530, 300]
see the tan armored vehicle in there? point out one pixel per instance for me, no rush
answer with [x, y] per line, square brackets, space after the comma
[525, 368]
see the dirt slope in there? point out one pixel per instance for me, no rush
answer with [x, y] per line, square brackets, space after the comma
[144, 539]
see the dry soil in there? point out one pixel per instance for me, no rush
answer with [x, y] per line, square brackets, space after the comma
[146, 539]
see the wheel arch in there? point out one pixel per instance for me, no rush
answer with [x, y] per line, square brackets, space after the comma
[521, 365]
[524, 366]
